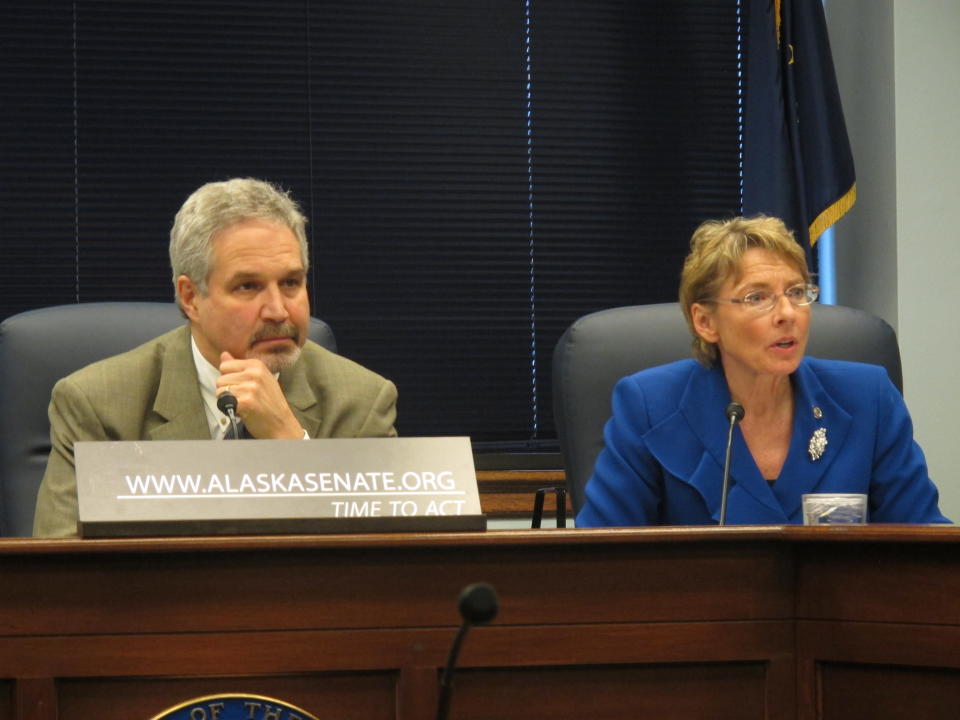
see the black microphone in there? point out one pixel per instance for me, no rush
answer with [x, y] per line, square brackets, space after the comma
[228, 406]
[478, 605]
[735, 413]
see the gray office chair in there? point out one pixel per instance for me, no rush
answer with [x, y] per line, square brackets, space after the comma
[37, 348]
[600, 348]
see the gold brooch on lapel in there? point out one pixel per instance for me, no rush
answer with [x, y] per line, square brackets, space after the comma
[818, 443]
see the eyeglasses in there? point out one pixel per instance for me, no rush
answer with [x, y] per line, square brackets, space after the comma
[762, 301]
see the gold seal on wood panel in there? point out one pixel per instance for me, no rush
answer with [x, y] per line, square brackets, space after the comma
[234, 706]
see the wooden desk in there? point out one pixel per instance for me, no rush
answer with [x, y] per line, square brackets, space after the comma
[510, 493]
[716, 623]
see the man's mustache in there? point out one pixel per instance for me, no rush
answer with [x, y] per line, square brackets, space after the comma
[284, 330]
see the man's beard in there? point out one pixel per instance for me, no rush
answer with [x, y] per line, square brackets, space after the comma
[281, 357]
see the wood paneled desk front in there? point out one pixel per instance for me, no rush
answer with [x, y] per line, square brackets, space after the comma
[760, 622]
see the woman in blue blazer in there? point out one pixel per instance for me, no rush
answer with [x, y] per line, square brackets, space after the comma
[810, 425]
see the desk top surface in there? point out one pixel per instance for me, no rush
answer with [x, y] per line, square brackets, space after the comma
[491, 538]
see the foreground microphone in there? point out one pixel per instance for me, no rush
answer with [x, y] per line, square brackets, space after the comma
[228, 406]
[735, 414]
[478, 605]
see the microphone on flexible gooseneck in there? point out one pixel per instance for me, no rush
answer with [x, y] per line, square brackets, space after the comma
[478, 605]
[735, 413]
[228, 406]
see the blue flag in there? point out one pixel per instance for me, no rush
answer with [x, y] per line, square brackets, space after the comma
[797, 163]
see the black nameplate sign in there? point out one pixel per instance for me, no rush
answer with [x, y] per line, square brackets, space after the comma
[204, 487]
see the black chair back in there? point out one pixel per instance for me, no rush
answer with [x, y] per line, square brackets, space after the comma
[600, 348]
[37, 348]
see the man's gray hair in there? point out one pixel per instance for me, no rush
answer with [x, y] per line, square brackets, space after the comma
[216, 206]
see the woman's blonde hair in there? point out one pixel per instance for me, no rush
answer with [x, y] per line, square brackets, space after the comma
[716, 249]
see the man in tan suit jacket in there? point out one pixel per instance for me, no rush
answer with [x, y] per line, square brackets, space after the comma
[239, 256]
